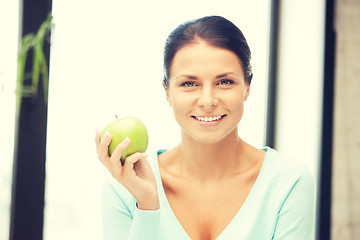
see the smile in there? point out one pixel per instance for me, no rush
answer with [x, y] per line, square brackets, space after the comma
[209, 119]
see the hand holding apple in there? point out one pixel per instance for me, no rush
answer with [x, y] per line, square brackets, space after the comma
[130, 139]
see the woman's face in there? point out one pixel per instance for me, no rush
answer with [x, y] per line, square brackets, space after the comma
[207, 92]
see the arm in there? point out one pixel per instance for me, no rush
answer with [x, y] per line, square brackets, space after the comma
[122, 219]
[133, 182]
[296, 216]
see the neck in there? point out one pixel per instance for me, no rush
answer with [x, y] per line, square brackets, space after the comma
[211, 162]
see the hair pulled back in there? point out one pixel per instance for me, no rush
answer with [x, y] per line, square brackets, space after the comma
[216, 31]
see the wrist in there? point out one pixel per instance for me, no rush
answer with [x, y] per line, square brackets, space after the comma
[150, 204]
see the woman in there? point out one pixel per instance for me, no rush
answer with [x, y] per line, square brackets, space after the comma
[213, 185]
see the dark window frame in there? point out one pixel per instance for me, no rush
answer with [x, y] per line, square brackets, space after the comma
[325, 173]
[28, 181]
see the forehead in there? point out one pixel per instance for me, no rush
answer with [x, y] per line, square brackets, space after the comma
[200, 58]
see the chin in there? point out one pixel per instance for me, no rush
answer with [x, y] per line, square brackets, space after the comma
[207, 138]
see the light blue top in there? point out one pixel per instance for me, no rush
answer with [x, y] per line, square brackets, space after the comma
[279, 206]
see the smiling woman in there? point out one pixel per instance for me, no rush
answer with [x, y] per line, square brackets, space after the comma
[116, 68]
[213, 184]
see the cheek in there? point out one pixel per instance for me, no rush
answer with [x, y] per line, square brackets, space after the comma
[180, 103]
[233, 97]
[180, 110]
[235, 102]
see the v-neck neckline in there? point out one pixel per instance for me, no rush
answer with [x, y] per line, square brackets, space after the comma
[180, 228]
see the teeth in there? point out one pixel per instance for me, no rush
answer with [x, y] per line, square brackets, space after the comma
[208, 119]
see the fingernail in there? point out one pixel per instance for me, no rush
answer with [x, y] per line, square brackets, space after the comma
[145, 155]
[126, 140]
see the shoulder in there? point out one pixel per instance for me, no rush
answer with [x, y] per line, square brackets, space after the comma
[282, 180]
[167, 160]
[279, 165]
[284, 174]
[292, 187]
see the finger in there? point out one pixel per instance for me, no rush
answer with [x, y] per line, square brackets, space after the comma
[97, 139]
[116, 155]
[141, 167]
[103, 150]
[132, 159]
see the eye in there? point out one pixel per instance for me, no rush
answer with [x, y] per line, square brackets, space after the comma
[188, 84]
[225, 82]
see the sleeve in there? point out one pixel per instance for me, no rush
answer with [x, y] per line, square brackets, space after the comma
[122, 220]
[296, 216]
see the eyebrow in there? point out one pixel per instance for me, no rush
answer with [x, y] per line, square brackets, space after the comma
[227, 73]
[187, 76]
[218, 76]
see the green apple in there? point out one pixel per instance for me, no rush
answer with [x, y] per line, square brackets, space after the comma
[132, 128]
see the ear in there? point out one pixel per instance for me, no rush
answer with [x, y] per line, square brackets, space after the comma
[168, 99]
[247, 92]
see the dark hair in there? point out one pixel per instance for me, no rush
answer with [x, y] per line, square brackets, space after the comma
[215, 30]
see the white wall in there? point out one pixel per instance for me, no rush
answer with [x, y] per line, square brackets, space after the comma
[9, 23]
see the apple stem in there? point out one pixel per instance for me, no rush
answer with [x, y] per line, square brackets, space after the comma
[116, 116]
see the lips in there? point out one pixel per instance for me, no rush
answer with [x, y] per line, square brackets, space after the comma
[209, 118]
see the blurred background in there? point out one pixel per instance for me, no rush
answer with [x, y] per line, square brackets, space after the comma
[105, 59]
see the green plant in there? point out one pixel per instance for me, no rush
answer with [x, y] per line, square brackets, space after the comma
[39, 65]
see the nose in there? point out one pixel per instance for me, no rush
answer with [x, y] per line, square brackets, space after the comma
[208, 99]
